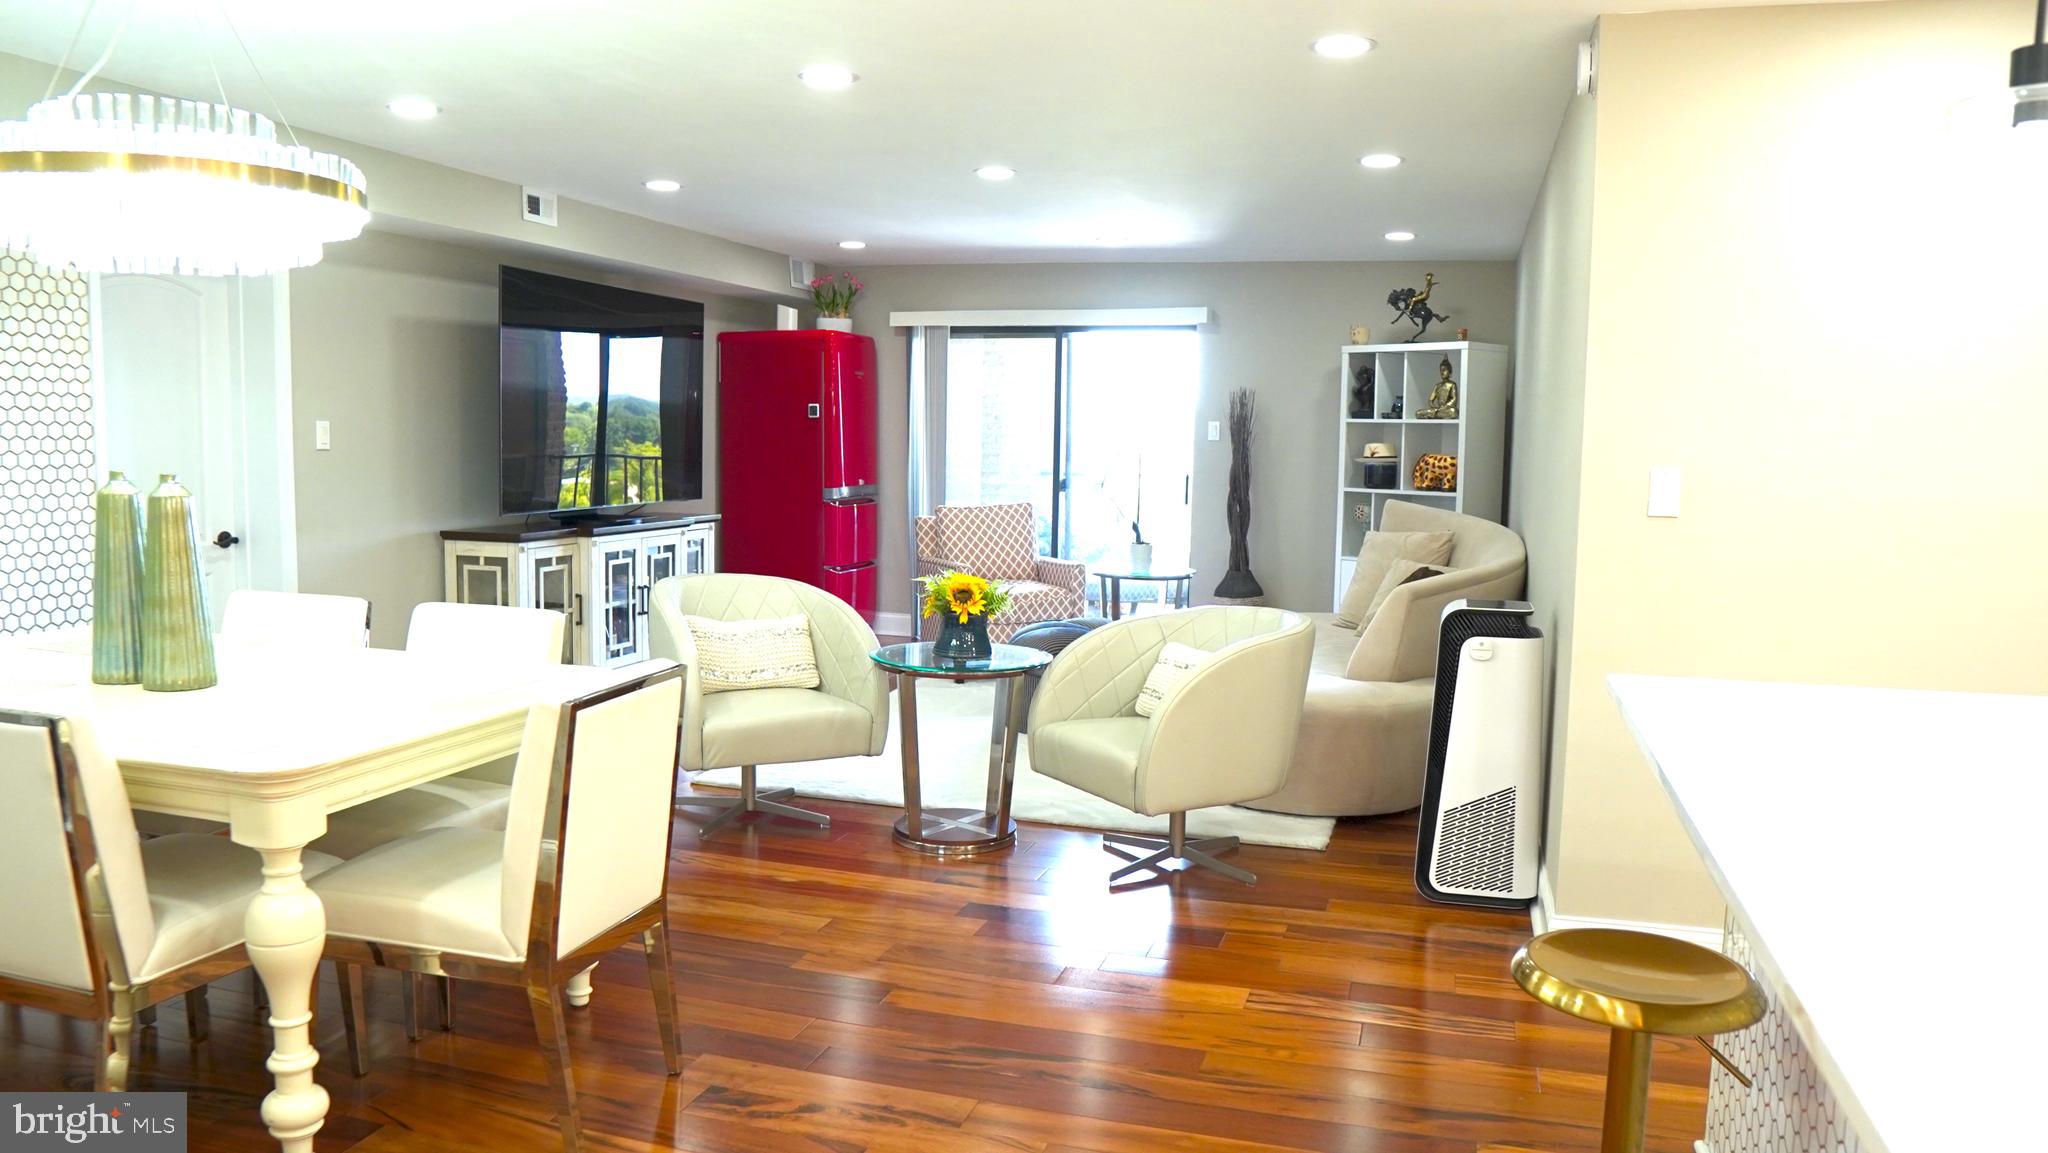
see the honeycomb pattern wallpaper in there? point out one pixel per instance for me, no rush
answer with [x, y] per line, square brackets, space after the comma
[46, 447]
[1789, 1109]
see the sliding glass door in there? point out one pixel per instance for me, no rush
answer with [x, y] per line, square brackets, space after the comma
[1094, 427]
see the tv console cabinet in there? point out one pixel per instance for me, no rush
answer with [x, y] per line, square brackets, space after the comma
[599, 574]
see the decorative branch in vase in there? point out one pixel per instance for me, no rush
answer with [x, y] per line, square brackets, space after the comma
[1239, 585]
[834, 296]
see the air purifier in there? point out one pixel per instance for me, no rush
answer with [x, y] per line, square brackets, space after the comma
[1482, 800]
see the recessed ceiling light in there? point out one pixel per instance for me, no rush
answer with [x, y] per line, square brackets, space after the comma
[1380, 160]
[995, 172]
[853, 244]
[414, 108]
[1400, 237]
[1342, 46]
[827, 77]
[660, 185]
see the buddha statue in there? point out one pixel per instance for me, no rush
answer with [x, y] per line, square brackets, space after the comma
[1443, 399]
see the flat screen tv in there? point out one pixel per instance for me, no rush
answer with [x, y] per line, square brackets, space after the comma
[600, 396]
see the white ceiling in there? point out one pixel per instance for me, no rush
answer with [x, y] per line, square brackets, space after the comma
[1140, 129]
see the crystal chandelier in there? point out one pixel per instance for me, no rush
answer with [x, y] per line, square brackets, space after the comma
[113, 182]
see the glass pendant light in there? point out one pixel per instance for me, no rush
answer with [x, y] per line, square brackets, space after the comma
[113, 182]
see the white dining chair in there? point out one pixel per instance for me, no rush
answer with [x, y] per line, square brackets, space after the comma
[304, 622]
[99, 924]
[491, 636]
[580, 869]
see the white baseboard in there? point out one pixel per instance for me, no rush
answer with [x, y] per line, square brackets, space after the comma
[896, 624]
[1544, 917]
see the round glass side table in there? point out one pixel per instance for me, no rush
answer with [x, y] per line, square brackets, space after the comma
[1174, 584]
[961, 832]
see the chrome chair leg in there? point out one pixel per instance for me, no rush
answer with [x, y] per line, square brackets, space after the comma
[661, 978]
[554, 1050]
[750, 800]
[198, 1014]
[355, 1021]
[1175, 846]
[446, 990]
[409, 997]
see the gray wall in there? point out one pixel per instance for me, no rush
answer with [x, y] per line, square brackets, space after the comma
[1274, 328]
[1549, 410]
[394, 343]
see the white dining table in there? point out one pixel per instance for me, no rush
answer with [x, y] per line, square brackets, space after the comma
[283, 740]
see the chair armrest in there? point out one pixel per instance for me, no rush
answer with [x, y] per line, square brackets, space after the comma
[1098, 675]
[843, 644]
[671, 639]
[933, 566]
[1071, 575]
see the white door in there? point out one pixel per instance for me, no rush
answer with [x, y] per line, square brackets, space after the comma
[194, 379]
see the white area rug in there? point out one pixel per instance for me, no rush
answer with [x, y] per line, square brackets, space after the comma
[953, 725]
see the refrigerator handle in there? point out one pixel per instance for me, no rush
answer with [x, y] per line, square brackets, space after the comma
[847, 493]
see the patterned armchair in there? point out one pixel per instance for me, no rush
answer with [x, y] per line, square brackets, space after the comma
[997, 541]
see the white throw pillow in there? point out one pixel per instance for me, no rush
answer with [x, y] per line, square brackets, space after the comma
[762, 654]
[1177, 662]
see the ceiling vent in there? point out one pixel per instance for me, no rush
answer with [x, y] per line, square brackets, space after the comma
[799, 273]
[538, 207]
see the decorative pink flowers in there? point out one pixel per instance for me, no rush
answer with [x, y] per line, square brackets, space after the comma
[834, 295]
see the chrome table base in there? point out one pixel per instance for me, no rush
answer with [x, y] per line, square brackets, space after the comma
[963, 832]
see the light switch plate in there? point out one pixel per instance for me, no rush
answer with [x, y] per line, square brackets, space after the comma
[322, 441]
[1664, 491]
[1215, 430]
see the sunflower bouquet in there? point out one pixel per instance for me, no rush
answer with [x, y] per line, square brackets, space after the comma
[963, 596]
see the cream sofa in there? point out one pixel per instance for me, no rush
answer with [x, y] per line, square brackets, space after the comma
[1364, 738]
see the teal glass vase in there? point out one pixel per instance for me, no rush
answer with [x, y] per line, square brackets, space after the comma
[117, 583]
[177, 644]
[962, 641]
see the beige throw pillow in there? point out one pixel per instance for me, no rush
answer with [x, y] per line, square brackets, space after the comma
[1177, 662]
[1399, 573]
[1380, 551]
[760, 654]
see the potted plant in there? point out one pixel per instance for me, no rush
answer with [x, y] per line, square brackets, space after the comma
[963, 603]
[1239, 586]
[1141, 549]
[834, 297]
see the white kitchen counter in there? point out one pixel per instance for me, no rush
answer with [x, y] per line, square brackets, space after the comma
[1885, 852]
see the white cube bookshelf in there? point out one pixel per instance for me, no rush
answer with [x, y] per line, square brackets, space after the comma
[1476, 437]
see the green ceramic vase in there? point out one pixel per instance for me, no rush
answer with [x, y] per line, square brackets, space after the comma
[177, 646]
[117, 583]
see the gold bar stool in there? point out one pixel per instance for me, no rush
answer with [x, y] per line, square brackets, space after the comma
[1639, 985]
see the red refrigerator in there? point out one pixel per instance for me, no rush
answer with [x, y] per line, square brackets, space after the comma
[796, 459]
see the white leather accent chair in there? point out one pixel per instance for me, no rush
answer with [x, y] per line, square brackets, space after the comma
[847, 715]
[306, 622]
[580, 869]
[98, 924]
[1225, 735]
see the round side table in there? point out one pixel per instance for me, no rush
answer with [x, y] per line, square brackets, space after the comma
[1112, 582]
[961, 832]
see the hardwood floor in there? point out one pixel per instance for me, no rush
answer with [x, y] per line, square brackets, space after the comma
[841, 995]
